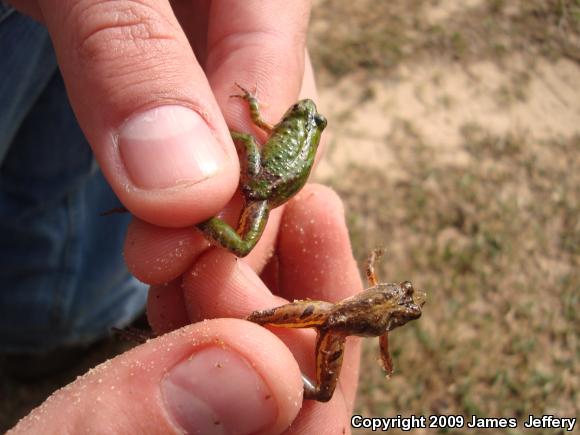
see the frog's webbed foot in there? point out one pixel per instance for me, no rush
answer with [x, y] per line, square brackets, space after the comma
[254, 109]
[299, 314]
[370, 266]
[386, 359]
[329, 353]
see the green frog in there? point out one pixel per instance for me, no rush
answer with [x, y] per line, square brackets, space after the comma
[373, 312]
[269, 176]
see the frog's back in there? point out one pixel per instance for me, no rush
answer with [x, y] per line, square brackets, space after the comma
[286, 150]
[362, 314]
[287, 159]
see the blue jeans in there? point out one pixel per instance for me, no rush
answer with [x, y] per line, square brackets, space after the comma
[63, 281]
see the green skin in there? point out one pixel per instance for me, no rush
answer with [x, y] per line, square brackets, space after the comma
[271, 176]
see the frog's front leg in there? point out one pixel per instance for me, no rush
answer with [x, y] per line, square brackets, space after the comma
[299, 314]
[254, 109]
[329, 353]
[370, 267]
[251, 161]
[252, 223]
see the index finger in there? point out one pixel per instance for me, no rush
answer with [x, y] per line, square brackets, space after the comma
[257, 43]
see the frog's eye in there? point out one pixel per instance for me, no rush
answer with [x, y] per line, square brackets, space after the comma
[320, 120]
[408, 288]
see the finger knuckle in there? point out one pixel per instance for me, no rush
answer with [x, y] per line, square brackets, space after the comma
[113, 30]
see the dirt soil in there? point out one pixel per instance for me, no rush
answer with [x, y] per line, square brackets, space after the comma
[455, 144]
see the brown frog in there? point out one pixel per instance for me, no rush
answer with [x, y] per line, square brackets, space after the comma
[373, 312]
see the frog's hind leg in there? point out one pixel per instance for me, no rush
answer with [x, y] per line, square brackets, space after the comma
[253, 222]
[329, 353]
[241, 242]
[299, 314]
[370, 266]
[386, 359]
[254, 109]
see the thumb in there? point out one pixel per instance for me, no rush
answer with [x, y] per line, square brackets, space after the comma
[145, 106]
[207, 378]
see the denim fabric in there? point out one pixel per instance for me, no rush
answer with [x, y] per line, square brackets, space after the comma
[63, 280]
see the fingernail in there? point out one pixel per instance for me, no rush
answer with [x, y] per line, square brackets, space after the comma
[217, 391]
[168, 146]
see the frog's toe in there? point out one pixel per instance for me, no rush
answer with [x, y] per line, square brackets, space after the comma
[246, 95]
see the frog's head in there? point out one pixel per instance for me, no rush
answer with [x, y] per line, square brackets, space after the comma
[306, 109]
[406, 304]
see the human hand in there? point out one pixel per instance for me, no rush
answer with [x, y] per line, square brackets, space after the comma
[172, 170]
[153, 111]
[120, 60]
[226, 376]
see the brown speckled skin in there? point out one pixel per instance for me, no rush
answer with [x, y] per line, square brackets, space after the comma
[270, 176]
[373, 312]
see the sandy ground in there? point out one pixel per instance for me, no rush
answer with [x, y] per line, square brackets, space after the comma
[440, 99]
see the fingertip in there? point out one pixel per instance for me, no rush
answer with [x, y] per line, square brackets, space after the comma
[247, 376]
[258, 44]
[166, 307]
[314, 248]
[222, 285]
[178, 171]
[323, 199]
[157, 255]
